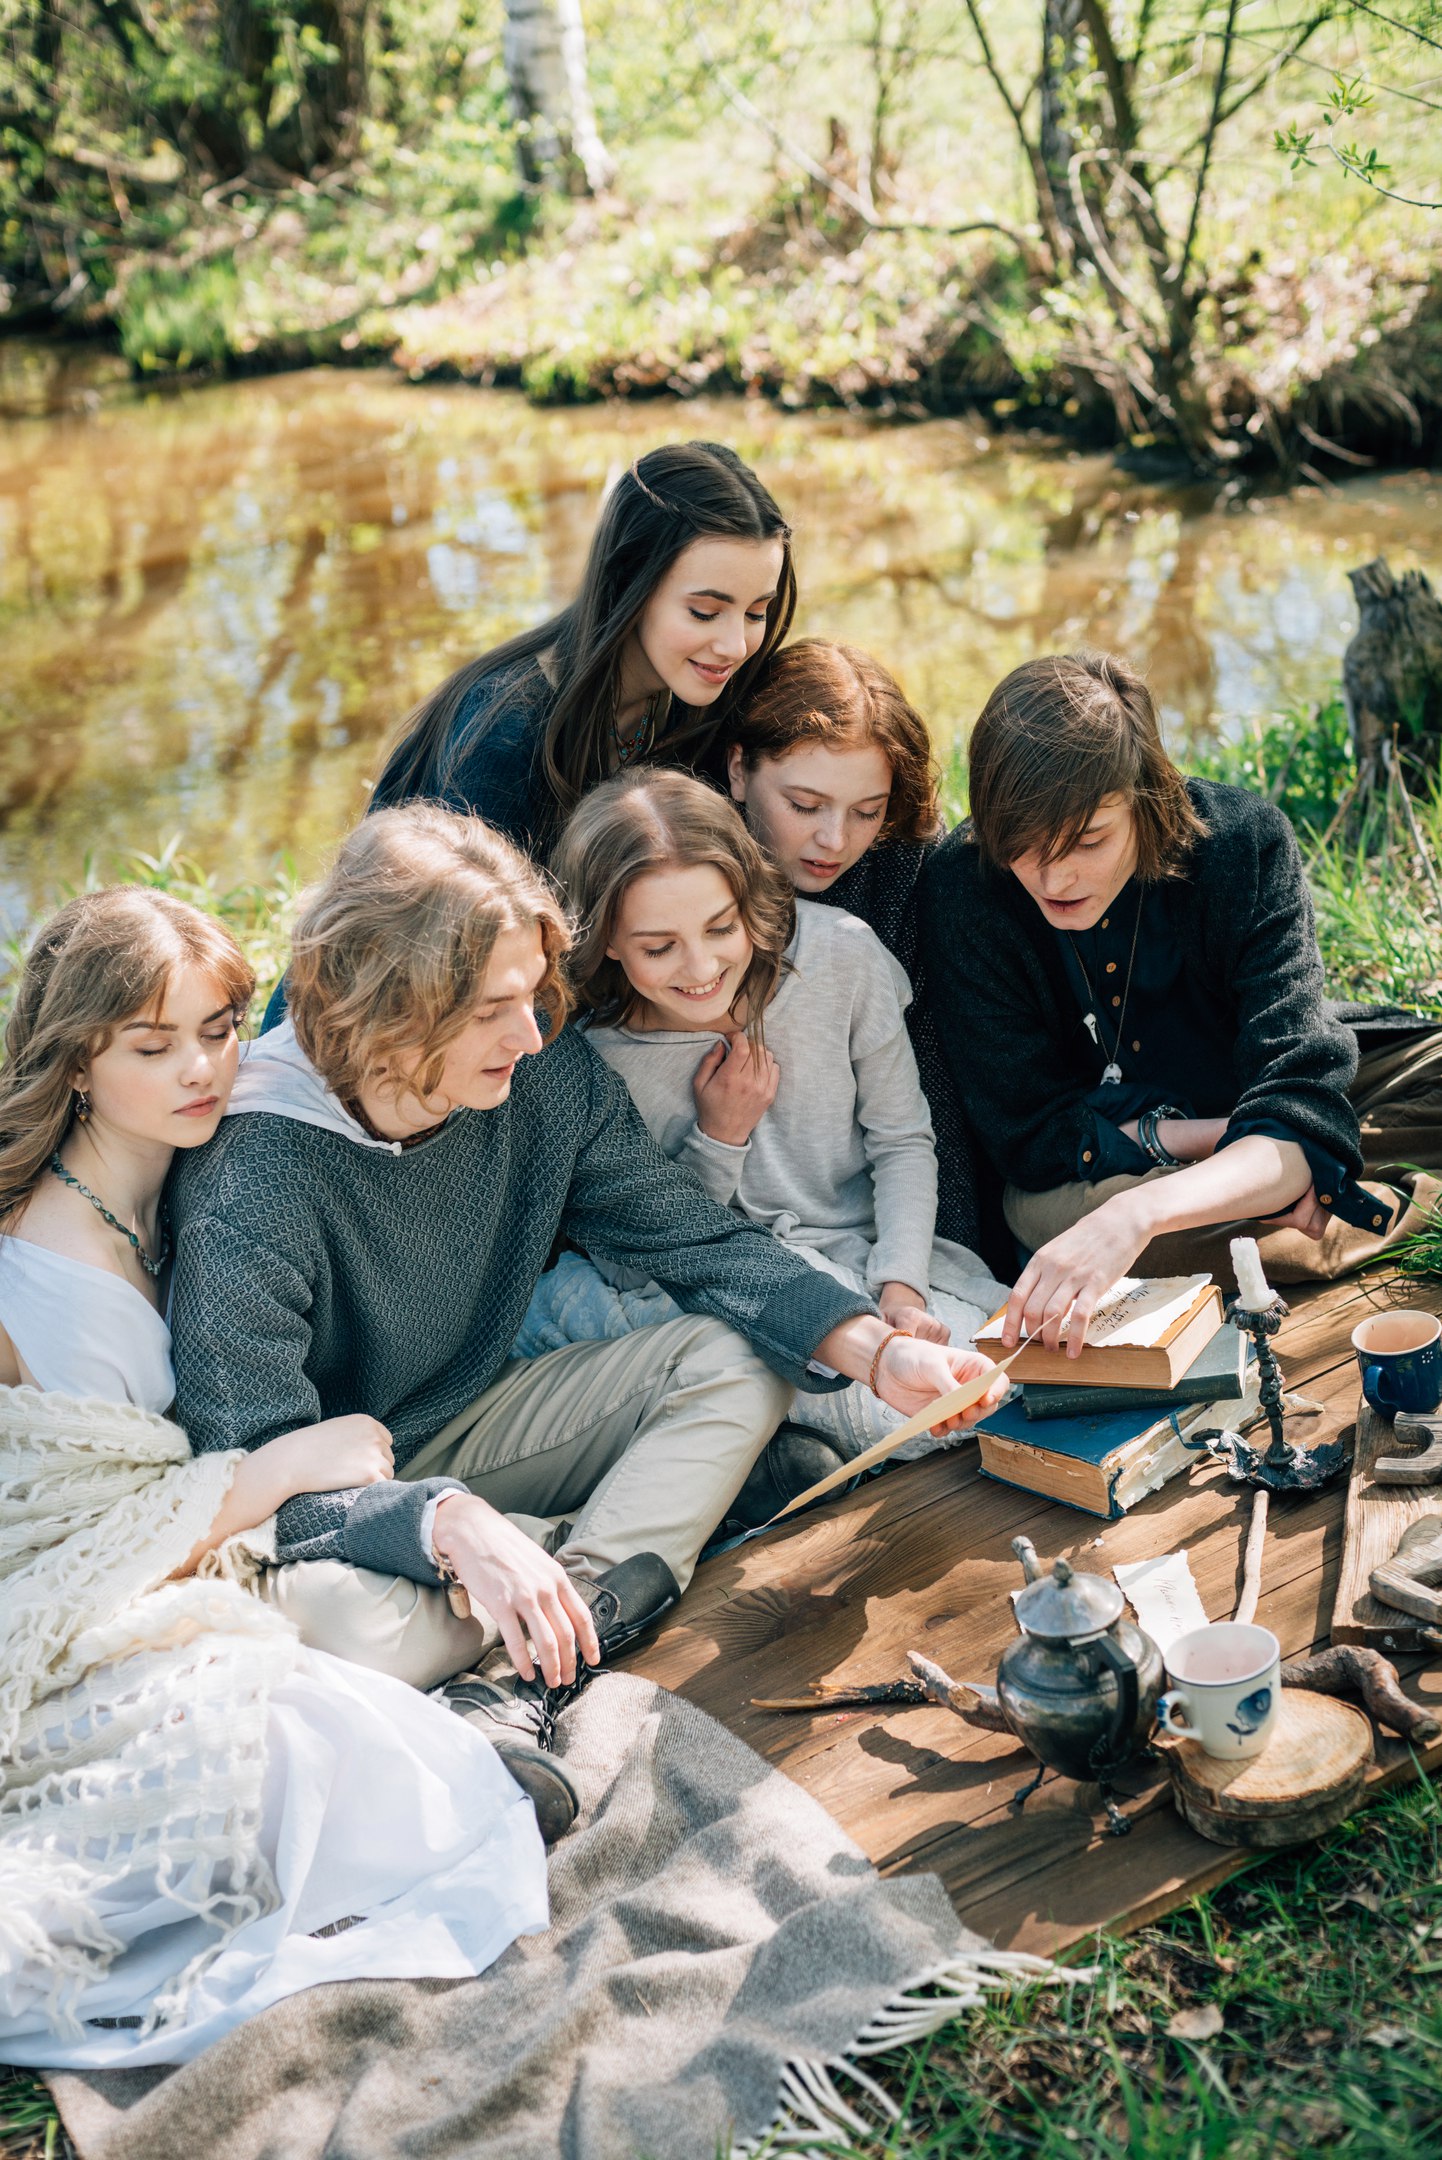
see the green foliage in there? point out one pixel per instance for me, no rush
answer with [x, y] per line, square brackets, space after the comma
[1303, 761]
[1377, 918]
[29, 2125]
[174, 318]
[833, 204]
[1420, 1256]
[259, 912]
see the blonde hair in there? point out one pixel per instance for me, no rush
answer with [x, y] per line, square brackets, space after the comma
[104, 959]
[391, 948]
[651, 820]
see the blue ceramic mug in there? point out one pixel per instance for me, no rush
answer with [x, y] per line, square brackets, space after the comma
[1400, 1354]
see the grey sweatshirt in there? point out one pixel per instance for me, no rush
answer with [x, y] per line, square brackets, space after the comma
[319, 1271]
[843, 1163]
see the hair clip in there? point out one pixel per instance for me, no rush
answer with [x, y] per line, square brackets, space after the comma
[659, 500]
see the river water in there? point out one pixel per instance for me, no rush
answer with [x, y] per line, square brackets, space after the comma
[217, 602]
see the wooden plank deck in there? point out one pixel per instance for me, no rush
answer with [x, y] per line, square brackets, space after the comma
[921, 1559]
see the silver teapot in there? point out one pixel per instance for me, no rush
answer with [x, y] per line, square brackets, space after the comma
[1081, 1684]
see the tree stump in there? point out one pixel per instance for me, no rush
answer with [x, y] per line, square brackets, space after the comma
[1307, 1779]
[1392, 674]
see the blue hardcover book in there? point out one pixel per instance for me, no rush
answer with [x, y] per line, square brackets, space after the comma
[1103, 1463]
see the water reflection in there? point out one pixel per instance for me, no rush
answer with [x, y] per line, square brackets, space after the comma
[217, 603]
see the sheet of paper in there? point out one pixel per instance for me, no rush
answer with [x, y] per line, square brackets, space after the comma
[1163, 1595]
[1133, 1314]
[936, 1413]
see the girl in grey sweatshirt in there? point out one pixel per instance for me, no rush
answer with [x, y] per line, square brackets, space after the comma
[763, 1040]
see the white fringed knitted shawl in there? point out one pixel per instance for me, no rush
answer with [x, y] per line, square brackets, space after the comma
[132, 1708]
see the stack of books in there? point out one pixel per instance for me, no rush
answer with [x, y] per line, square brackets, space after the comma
[1101, 1430]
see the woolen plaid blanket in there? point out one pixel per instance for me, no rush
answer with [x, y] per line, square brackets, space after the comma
[722, 1961]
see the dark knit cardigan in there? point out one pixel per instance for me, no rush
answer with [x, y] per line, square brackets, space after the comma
[1011, 1027]
[882, 890]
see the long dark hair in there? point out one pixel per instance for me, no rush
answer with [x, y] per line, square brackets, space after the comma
[673, 495]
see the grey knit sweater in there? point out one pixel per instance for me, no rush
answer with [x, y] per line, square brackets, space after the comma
[317, 1273]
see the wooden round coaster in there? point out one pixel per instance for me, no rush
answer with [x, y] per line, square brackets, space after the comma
[1307, 1779]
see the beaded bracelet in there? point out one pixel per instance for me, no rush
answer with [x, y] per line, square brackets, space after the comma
[879, 1352]
[1147, 1125]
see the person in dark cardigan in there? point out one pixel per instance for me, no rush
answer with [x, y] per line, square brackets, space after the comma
[1124, 977]
[833, 770]
[688, 587]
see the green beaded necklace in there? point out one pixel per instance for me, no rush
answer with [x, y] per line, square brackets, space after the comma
[642, 740]
[151, 1267]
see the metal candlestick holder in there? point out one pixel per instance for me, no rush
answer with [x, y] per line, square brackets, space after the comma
[1281, 1466]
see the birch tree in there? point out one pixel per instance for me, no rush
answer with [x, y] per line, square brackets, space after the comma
[544, 49]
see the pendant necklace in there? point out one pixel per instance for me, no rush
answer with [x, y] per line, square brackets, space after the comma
[1112, 1072]
[151, 1267]
[642, 739]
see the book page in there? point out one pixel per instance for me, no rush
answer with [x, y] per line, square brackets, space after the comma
[1133, 1315]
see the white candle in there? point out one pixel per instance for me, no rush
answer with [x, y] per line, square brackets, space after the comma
[1256, 1292]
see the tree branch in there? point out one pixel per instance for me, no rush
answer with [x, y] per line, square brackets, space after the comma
[1413, 202]
[814, 170]
[1249, 89]
[1406, 28]
[1219, 91]
[1040, 179]
[989, 62]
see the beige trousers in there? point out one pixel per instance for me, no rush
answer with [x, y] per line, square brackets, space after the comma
[598, 1451]
[1287, 1256]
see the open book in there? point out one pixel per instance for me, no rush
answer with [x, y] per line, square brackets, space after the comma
[1145, 1333]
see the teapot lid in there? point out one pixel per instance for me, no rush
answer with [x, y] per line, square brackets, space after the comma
[1066, 1606]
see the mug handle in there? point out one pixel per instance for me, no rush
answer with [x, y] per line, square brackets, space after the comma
[1171, 1702]
[1382, 1377]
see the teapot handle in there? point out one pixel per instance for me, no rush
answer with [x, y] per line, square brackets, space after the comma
[1116, 1746]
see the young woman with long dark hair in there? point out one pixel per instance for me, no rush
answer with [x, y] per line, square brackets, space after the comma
[688, 589]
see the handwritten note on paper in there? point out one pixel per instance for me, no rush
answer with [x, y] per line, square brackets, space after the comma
[1163, 1595]
[1134, 1314]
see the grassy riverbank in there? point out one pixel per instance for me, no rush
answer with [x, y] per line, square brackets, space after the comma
[840, 209]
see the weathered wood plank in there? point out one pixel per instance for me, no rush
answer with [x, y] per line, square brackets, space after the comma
[1376, 1517]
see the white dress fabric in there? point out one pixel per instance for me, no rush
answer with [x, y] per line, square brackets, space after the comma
[383, 1816]
[80, 1330]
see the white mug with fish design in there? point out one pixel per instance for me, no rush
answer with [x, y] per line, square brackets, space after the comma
[1226, 1684]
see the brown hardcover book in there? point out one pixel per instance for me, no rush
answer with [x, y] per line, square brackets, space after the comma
[1144, 1334]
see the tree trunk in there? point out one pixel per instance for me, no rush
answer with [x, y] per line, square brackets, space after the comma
[1062, 64]
[544, 48]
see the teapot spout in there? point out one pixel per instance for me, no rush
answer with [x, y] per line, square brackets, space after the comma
[1026, 1552]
